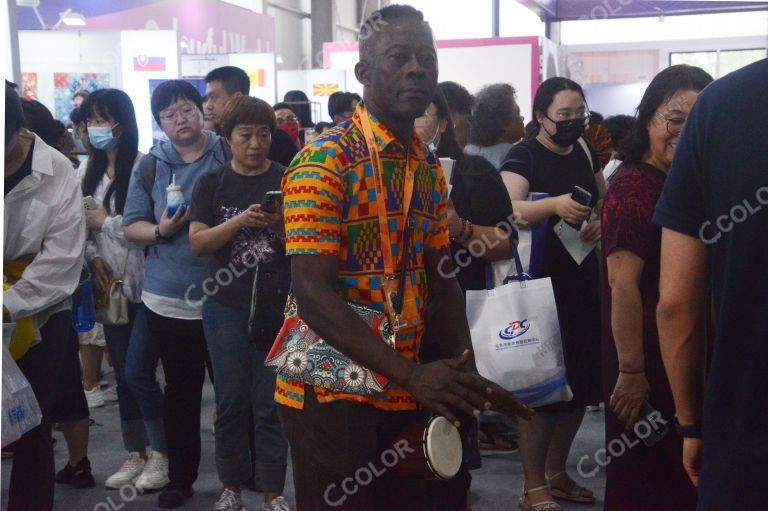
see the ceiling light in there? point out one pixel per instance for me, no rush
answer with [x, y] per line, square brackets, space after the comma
[73, 19]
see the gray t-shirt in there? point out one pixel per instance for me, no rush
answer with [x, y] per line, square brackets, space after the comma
[493, 153]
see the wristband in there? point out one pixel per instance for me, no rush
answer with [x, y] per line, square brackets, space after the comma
[693, 431]
[159, 238]
[632, 372]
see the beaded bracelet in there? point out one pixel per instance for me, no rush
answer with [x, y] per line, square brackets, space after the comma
[470, 231]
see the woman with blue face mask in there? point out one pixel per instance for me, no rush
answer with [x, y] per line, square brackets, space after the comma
[114, 139]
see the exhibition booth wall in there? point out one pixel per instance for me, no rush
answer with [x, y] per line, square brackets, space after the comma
[56, 64]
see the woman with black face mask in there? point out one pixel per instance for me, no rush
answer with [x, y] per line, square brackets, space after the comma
[553, 162]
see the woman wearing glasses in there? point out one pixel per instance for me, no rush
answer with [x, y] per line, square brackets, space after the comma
[156, 216]
[553, 162]
[645, 477]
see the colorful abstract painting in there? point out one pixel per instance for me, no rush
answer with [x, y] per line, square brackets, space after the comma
[29, 85]
[65, 85]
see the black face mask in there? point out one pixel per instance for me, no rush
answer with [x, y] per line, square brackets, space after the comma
[568, 132]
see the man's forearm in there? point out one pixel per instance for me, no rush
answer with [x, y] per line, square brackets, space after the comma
[680, 320]
[682, 341]
[446, 312]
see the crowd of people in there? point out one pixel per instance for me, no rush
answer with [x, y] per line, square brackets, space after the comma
[251, 233]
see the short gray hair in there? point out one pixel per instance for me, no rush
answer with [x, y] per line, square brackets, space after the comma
[495, 107]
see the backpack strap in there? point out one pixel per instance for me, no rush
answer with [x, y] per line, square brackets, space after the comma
[226, 151]
[147, 175]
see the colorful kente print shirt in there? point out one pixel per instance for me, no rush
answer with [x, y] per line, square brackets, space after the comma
[331, 209]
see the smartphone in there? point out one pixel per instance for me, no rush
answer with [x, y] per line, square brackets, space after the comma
[272, 201]
[583, 197]
[655, 428]
[90, 203]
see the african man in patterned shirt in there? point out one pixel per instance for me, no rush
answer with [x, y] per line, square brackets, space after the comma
[334, 240]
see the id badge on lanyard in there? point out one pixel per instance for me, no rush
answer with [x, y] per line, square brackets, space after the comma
[399, 297]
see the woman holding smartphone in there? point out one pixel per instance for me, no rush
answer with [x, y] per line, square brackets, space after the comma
[633, 371]
[114, 139]
[244, 242]
[555, 161]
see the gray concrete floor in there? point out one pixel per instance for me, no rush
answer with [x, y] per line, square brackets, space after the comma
[496, 486]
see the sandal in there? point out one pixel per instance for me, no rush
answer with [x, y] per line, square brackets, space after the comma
[547, 505]
[496, 442]
[575, 494]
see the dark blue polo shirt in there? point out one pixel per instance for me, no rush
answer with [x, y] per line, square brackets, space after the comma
[717, 190]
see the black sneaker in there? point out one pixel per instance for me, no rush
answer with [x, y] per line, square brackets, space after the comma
[174, 496]
[78, 476]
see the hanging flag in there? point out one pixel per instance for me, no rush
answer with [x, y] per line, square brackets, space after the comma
[257, 77]
[145, 63]
[324, 89]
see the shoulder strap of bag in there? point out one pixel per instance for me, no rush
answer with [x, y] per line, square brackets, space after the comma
[583, 144]
[519, 274]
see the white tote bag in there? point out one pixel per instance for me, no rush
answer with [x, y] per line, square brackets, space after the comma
[20, 410]
[516, 337]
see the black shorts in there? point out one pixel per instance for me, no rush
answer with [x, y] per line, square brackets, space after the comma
[69, 402]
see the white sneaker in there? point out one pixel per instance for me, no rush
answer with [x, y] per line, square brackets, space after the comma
[229, 501]
[109, 394]
[279, 504]
[94, 398]
[155, 473]
[130, 470]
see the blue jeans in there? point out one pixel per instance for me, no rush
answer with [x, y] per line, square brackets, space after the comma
[139, 396]
[241, 380]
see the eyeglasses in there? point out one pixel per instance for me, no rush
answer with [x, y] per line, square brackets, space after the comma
[579, 118]
[186, 112]
[291, 119]
[674, 124]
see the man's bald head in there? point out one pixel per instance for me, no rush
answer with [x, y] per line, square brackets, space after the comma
[371, 30]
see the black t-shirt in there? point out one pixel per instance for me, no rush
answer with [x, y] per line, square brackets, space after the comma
[479, 195]
[717, 192]
[222, 194]
[282, 150]
[555, 174]
[25, 170]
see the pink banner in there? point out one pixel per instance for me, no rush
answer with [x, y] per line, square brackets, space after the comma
[204, 26]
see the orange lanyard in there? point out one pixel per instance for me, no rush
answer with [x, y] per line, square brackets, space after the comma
[381, 193]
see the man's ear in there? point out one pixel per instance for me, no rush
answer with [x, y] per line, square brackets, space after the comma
[237, 94]
[362, 72]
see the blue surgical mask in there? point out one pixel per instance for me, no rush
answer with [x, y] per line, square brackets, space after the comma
[431, 144]
[101, 137]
